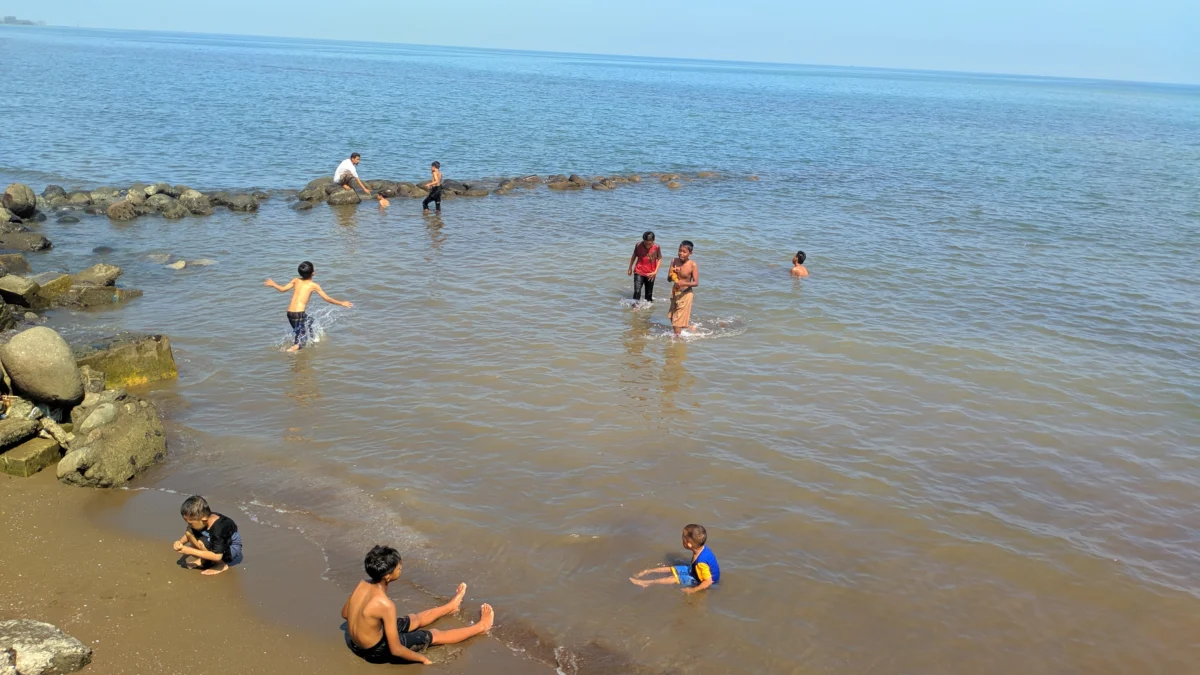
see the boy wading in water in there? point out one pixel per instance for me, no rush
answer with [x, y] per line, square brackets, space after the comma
[798, 268]
[686, 276]
[704, 571]
[435, 188]
[644, 264]
[378, 635]
[302, 288]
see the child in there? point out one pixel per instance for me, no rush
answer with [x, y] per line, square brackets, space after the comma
[702, 573]
[211, 540]
[371, 616]
[647, 257]
[686, 276]
[798, 268]
[304, 287]
[435, 188]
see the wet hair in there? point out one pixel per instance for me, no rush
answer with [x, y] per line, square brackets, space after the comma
[800, 257]
[647, 236]
[305, 269]
[355, 155]
[436, 165]
[689, 246]
[380, 562]
[696, 534]
[195, 508]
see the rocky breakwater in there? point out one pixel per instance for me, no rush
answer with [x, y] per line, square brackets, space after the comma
[111, 435]
[172, 202]
[18, 205]
[93, 287]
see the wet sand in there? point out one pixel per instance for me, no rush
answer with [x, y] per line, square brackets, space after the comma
[98, 565]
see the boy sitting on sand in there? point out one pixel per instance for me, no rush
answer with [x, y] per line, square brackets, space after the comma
[702, 573]
[378, 635]
[304, 287]
[798, 268]
[211, 540]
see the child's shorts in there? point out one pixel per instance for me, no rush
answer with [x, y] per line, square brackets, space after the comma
[683, 574]
[235, 548]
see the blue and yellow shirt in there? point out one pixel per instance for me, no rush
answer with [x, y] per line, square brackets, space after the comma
[705, 566]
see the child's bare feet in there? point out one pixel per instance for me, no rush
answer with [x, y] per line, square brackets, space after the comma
[213, 571]
[293, 348]
[192, 562]
[456, 601]
[486, 617]
[639, 582]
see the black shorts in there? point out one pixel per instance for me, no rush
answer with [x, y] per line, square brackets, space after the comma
[416, 640]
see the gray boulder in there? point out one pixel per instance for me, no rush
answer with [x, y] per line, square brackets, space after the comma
[15, 263]
[8, 317]
[40, 364]
[7, 216]
[54, 191]
[97, 296]
[122, 210]
[16, 430]
[243, 203]
[174, 210]
[37, 648]
[344, 198]
[167, 205]
[159, 189]
[19, 290]
[319, 183]
[19, 199]
[601, 186]
[100, 274]
[301, 205]
[219, 198]
[105, 195]
[316, 194]
[178, 191]
[67, 220]
[51, 286]
[117, 436]
[196, 203]
[79, 198]
[24, 241]
[565, 185]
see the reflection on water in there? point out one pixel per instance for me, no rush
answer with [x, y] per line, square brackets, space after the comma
[675, 377]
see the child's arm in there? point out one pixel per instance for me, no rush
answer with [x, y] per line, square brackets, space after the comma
[393, 638]
[279, 288]
[326, 298]
[657, 264]
[632, 259]
[699, 587]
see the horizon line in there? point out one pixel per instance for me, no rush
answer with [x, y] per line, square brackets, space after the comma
[892, 69]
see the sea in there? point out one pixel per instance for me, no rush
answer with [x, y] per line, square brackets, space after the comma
[968, 442]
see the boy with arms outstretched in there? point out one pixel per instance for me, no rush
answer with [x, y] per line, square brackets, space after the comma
[378, 635]
[702, 573]
[301, 289]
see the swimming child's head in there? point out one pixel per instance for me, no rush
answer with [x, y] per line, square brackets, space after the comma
[195, 512]
[306, 270]
[382, 563]
[685, 249]
[799, 259]
[436, 165]
[648, 237]
[694, 537]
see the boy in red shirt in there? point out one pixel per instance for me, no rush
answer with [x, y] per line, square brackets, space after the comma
[644, 264]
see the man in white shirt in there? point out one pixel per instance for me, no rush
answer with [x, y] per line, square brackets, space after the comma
[346, 171]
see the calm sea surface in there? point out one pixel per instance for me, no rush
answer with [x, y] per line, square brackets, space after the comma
[968, 443]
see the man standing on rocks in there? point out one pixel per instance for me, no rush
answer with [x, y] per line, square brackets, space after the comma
[346, 171]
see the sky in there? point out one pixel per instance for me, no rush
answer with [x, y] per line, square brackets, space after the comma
[1151, 40]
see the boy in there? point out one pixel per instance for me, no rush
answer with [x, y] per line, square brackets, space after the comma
[702, 573]
[211, 540]
[375, 632]
[798, 268]
[435, 188]
[304, 287]
[686, 276]
[647, 257]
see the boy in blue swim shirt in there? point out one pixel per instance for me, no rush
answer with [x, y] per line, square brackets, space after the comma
[702, 573]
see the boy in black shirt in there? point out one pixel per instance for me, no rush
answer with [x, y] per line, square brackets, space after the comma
[211, 540]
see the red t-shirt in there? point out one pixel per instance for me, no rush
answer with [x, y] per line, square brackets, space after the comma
[646, 259]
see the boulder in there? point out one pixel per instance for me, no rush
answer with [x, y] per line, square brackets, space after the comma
[105, 195]
[122, 210]
[319, 183]
[301, 205]
[40, 364]
[577, 179]
[79, 199]
[54, 191]
[674, 185]
[67, 220]
[18, 290]
[159, 189]
[31, 456]
[20, 199]
[332, 188]
[137, 188]
[117, 436]
[128, 360]
[601, 186]
[15, 431]
[8, 317]
[19, 408]
[38, 217]
[707, 174]
[474, 192]
[220, 198]
[100, 274]
[530, 180]
[343, 198]
[93, 380]
[24, 241]
[179, 190]
[55, 431]
[97, 296]
[196, 203]
[15, 263]
[634, 178]
[7, 216]
[455, 186]
[565, 185]
[243, 203]
[260, 195]
[316, 194]
[52, 285]
[41, 649]
[173, 209]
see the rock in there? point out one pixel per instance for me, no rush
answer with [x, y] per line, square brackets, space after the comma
[577, 179]
[19, 290]
[137, 188]
[707, 174]
[15, 263]
[128, 359]
[55, 431]
[67, 220]
[474, 192]
[319, 183]
[19, 199]
[38, 217]
[93, 380]
[19, 408]
[7, 216]
[344, 198]
[635, 178]
[177, 265]
[310, 195]
[668, 177]
[179, 190]
[565, 185]
[136, 197]
[97, 296]
[243, 203]
[31, 456]
[219, 198]
[332, 188]
[14, 431]
[52, 285]
[159, 189]
[42, 649]
[8, 317]
[54, 191]
[96, 210]
[174, 210]
[42, 368]
[122, 210]
[79, 199]
[601, 186]
[112, 450]
[301, 205]
[100, 274]
[196, 203]
[260, 195]
[531, 180]
[24, 241]
[105, 195]
[674, 185]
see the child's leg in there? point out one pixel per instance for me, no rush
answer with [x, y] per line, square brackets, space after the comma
[671, 580]
[427, 617]
[192, 561]
[638, 280]
[455, 635]
[649, 289]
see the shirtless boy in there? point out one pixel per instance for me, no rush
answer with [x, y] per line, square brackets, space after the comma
[435, 188]
[686, 276]
[302, 288]
[378, 635]
[798, 268]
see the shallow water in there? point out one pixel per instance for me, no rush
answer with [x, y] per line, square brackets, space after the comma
[966, 443]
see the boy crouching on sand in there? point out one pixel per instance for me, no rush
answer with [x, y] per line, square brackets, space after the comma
[702, 573]
[377, 634]
[211, 540]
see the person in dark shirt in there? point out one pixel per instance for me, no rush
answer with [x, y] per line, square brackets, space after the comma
[211, 540]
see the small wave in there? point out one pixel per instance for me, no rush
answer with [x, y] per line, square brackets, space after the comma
[323, 320]
[636, 305]
[702, 330]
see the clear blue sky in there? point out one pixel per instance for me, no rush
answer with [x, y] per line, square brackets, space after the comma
[1154, 40]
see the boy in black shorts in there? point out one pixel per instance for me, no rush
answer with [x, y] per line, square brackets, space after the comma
[211, 540]
[376, 634]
